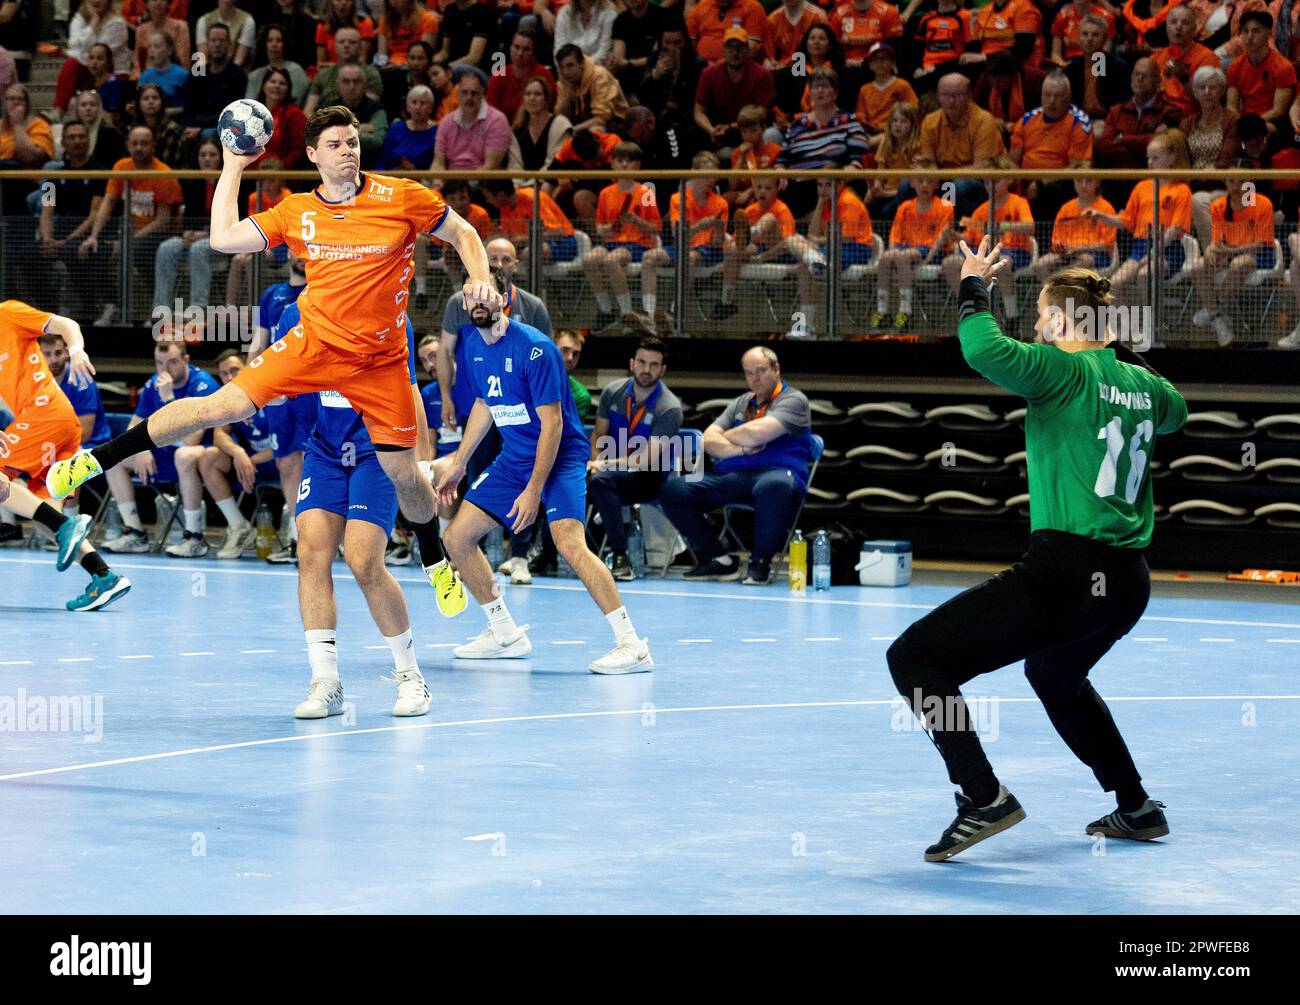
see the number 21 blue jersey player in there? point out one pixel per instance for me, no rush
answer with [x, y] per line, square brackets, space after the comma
[520, 383]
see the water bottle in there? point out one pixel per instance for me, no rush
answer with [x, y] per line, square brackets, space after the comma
[636, 546]
[265, 532]
[821, 562]
[495, 547]
[112, 521]
[798, 563]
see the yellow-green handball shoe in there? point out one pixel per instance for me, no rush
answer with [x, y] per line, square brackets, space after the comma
[448, 588]
[65, 477]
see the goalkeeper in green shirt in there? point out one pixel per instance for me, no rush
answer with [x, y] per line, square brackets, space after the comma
[1094, 411]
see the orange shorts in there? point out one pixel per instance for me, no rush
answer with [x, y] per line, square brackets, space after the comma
[379, 387]
[34, 441]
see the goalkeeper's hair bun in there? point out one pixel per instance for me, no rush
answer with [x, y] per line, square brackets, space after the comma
[1082, 286]
[1099, 286]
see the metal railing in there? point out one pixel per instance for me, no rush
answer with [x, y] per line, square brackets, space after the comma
[770, 291]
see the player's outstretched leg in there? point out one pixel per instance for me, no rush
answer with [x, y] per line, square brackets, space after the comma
[319, 535]
[630, 653]
[416, 500]
[171, 423]
[363, 549]
[503, 639]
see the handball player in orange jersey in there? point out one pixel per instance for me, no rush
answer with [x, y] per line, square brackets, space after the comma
[39, 427]
[357, 233]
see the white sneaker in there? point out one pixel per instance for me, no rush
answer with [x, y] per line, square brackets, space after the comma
[132, 542]
[412, 692]
[1291, 341]
[1203, 317]
[519, 574]
[106, 316]
[188, 547]
[324, 699]
[237, 541]
[631, 656]
[1222, 331]
[506, 566]
[488, 647]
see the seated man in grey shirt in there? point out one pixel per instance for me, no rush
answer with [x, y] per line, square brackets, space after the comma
[761, 446]
[631, 448]
[458, 397]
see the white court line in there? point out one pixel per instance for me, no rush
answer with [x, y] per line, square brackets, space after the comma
[15, 663]
[552, 716]
[443, 645]
[1218, 640]
[251, 651]
[77, 659]
[203, 652]
[137, 656]
[568, 642]
[883, 638]
[1284, 642]
[758, 640]
[751, 596]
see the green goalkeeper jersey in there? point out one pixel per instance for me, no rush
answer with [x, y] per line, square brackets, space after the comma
[1090, 431]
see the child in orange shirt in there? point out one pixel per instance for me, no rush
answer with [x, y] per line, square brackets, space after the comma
[762, 232]
[1079, 242]
[1168, 151]
[877, 97]
[1242, 240]
[921, 232]
[813, 252]
[706, 231]
[1013, 228]
[753, 153]
[628, 225]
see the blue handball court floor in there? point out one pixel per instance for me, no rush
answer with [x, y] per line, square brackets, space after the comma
[764, 767]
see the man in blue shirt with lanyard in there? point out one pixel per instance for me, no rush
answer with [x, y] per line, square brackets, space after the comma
[86, 402]
[631, 453]
[345, 497]
[761, 446]
[521, 386]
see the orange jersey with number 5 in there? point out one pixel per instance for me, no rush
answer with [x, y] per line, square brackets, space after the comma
[359, 258]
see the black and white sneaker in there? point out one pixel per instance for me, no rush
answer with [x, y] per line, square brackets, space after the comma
[975, 823]
[1145, 823]
[760, 573]
[622, 567]
[723, 569]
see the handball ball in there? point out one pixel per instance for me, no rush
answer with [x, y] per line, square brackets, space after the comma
[245, 126]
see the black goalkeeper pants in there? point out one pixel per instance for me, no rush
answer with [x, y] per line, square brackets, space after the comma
[1060, 609]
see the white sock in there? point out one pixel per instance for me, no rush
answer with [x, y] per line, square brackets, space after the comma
[905, 301]
[1010, 304]
[622, 625]
[322, 653]
[443, 524]
[420, 284]
[130, 515]
[625, 303]
[807, 311]
[882, 301]
[71, 510]
[813, 257]
[230, 510]
[9, 518]
[603, 302]
[193, 520]
[403, 652]
[499, 620]
[648, 302]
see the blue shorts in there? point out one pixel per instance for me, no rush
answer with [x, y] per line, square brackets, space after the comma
[709, 255]
[633, 248]
[1175, 254]
[564, 496]
[1019, 257]
[355, 492]
[1101, 259]
[164, 459]
[563, 249]
[851, 253]
[924, 249]
[1266, 259]
[292, 423]
[267, 472]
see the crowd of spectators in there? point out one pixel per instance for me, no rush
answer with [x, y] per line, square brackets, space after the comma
[797, 84]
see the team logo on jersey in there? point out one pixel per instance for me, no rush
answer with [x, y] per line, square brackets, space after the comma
[510, 415]
[510, 365]
[380, 193]
[535, 353]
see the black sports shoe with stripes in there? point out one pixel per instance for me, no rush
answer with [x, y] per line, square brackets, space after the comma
[1145, 823]
[975, 823]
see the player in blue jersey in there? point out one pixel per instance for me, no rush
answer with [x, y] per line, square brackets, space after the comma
[520, 384]
[291, 419]
[445, 439]
[345, 497]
